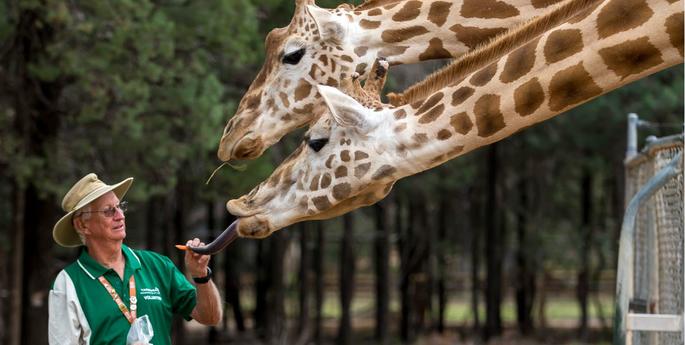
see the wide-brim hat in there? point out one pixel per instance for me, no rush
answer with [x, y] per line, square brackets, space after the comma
[81, 194]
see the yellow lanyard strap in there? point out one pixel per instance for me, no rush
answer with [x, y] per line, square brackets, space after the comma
[130, 316]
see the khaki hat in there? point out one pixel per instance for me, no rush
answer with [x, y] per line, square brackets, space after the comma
[81, 194]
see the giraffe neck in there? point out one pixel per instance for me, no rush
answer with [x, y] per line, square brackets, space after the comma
[616, 43]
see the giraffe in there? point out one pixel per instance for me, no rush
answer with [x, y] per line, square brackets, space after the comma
[323, 46]
[352, 155]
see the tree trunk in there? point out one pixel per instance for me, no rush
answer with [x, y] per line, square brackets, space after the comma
[277, 330]
[347, 263]
[583, 287]
[493, 249]
[442, 263]
[525, 286]
[17, 289]
[382, 240]
[303, 327]
[261, 287]
[403, 243]
[475, 214]
[319, 282]
[179, 221]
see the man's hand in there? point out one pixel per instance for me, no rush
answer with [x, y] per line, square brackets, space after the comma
[196, 264]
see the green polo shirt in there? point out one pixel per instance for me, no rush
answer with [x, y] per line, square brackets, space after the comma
[162, 290]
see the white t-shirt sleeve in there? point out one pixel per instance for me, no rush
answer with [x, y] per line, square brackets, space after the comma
[67, 324]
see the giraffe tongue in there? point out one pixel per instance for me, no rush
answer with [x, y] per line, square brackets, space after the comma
[229, 235]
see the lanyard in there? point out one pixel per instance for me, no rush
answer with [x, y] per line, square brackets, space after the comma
[132, 292]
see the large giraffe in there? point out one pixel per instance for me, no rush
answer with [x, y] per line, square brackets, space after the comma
[323, 46]
[352, 155]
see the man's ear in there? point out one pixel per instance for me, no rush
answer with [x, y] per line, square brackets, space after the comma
[79, 225]
[331, 27]
[346, 111]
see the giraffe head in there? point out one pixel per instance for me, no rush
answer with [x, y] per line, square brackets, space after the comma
[313, 49]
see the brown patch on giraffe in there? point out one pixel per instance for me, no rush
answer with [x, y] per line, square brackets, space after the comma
[519, 62]
[433, 100]
[483, 76]
[400, 114]
[284, 99]
[329, 161]
[399, 128]
[307, 109]
[562, 44]
[361, 51]
[383, 172]
[331, 81]
[369, 24]
[359, 155]
[392, 51]
[325, 180]
[312, 71]
[631, 57]
[571, 86]
[390, 6]
[361, 68]
[345, 156]
[361, 170]
[341, 191]
[528, 97]
[462, 94]
[444, 134]
[438, 12]
[346, 58]
[324, 59]
[321, 203]
[488, 9]
[621, 15]
[674, 28]
[420, 138]
[314, 185]
[375, 12]
[543, 3]
[432, 114]
[489, 118]
[409, 11]
[473, 36]
[461, 123]
[403, 34]
[435, 50]
[341, 171]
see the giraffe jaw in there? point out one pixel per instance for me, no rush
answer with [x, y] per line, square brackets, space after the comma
[246, 147]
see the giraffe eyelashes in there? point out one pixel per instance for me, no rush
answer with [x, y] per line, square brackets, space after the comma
[317, 144]
[294, 57]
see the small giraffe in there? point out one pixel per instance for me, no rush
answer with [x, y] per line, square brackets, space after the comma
[353, 155]
[322, 46]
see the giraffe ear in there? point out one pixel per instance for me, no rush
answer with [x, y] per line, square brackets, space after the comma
[331, 27]
[346, 111]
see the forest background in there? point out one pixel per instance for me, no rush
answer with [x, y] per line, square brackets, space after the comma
[514, 241]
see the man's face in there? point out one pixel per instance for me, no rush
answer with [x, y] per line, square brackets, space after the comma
[100, 227]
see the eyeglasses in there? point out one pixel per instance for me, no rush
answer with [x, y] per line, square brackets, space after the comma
[110, 211]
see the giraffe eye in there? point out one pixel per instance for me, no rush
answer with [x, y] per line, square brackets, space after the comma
[294, 57]
[317, 144]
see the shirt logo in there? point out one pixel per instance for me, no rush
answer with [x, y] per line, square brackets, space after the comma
[151, 294]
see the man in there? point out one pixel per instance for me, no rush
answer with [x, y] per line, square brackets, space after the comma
[96, 299]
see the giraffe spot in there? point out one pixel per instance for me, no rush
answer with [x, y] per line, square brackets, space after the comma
[432, 114]
[332, 82]
[433, 100]
[361, 51]
[631, 57]
[461, 123]
[307, 109]
[543, 3]
[321, 203]
[284, 99]
[674, 28]
[314, 185]
[519, 62]
[304, 202]
[345, 156]
[312, 71]
[420, 138]
[444, 134]
[324, 59]
[462, 94]
[473, 36]
[409, 11]
[621, 15]
[341, 191]
[361, 68]
[489, 119]
[369, 24]
[392, 51]
[435, 50]
[400, 114]
[341, 171]
[571, 86]
[391, 6]
[329, 161]
[325, 180]
[417, 104]
[438, 12]
[361, 170]
[302, 90]
[383, 172]
[562, 44]
[375, 12]
[399, 128]
[483, 76]
[528, 97]
[346, 58]
[403, 34]
[488, 9]
[359, 155]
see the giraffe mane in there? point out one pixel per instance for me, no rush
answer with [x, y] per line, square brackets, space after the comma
[370, 4]
[488, 52]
